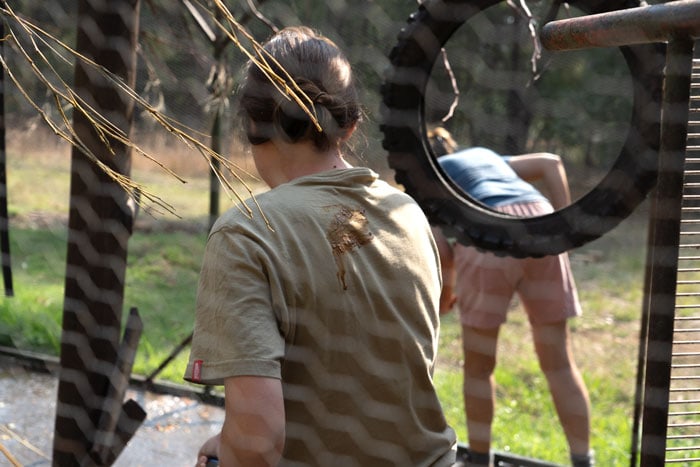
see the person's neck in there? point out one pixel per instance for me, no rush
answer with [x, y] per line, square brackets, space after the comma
[305, 159]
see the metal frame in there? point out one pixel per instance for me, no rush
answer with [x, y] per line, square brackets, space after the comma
[677, 24]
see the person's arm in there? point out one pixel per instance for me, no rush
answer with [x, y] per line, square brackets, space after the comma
[548, 168]
[254, 425]
[447, 296]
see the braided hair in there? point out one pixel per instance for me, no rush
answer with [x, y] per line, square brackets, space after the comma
[313, 65]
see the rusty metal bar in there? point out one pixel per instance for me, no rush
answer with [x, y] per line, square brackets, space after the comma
[642, 25]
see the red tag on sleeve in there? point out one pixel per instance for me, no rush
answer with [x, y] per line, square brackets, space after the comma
[197, 370]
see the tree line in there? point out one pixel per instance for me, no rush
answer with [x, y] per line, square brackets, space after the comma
[506, 96]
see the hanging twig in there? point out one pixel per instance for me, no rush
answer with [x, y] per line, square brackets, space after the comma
[523, 10]
[262, 59]
[551, 15]
[64, 96]
[256, 12]
[453, 83]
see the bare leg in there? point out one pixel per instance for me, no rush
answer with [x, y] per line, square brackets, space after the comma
[566, 385]
[479, 346]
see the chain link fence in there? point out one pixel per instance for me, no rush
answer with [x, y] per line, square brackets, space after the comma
[493, 85]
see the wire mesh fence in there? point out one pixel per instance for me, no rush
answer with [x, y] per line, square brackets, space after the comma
[493, 85]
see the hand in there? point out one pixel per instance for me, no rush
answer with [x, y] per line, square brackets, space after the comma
[210, 448]
[447, 300]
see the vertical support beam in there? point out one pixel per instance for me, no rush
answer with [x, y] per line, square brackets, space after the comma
[99, 226]
[643, 341]
[214, 184]
[218, 89]
[4, 218]
[666, 221]
[519, 97]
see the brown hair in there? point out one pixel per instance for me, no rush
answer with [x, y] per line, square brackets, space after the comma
[441, 141]
[322, 73]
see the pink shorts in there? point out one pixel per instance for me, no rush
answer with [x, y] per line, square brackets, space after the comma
[486, 283]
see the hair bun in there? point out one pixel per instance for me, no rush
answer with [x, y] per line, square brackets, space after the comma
[322, 94]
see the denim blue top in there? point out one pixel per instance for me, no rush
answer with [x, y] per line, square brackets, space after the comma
[487, 177]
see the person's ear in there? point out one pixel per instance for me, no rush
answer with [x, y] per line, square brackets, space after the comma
[348, 133]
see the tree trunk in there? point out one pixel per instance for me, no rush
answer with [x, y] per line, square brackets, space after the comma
[519, 113]
[99, 226]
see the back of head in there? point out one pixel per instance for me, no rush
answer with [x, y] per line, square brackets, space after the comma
[441, 141]
[312, 64]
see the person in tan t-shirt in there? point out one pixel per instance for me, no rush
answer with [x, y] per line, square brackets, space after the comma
[319, 313]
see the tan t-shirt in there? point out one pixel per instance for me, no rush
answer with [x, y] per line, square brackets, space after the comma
[338, 297]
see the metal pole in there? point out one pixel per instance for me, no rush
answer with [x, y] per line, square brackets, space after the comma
[677, 23]
[4, 218]
[667, 221]
[642, 25]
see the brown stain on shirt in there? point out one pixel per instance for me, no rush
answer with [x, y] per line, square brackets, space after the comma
[348, 230]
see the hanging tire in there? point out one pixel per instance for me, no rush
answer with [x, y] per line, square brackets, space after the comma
[622, 189]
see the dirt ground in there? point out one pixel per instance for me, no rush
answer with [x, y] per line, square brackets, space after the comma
[171, 434]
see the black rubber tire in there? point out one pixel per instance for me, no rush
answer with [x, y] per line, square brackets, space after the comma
[617, 195]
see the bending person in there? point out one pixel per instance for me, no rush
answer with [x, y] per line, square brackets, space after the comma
[319, 312]
[483, 284]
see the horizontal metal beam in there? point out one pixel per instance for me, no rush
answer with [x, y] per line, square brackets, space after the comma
[44, 363]
[641, 25]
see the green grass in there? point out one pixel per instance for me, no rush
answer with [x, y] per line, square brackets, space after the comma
[163, 266]
[161, 281]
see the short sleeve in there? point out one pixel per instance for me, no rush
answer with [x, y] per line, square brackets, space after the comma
[236, 332]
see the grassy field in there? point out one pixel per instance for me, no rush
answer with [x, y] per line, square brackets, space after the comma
[163, 264]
